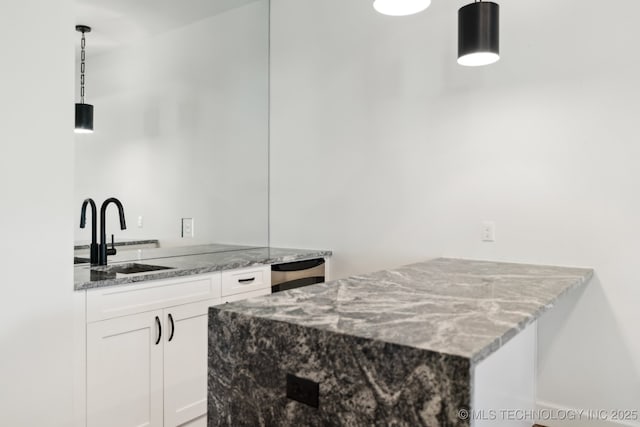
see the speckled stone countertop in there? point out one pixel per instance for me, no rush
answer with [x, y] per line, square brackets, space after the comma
[397, 347]
[186, 261]
[135, 255]
[85, 245]
[452, 306]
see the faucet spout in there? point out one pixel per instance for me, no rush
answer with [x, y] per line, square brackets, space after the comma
[103, 251]
[94, 227]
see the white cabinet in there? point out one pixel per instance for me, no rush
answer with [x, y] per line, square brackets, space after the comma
[145, 367]
[185, 364]
[124, 372]
[142, 349]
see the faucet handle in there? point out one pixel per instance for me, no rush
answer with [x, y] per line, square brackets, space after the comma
[112, 250]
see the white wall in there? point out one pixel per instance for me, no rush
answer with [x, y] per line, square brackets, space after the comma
[181, 123]
[386, 151]
[36, 184]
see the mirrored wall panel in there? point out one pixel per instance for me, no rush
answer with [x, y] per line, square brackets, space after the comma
[180, 95]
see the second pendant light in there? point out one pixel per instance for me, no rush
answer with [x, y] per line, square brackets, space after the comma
[400, 7]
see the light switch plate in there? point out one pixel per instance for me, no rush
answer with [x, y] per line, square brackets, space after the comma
[187, 228]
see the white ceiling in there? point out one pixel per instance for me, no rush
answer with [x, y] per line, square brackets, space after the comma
[118, 22]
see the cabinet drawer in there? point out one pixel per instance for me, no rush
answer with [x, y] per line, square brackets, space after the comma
[116, 301]
[246, 280]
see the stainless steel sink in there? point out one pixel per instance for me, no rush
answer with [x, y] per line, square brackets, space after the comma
[131, 268]
[79, 260]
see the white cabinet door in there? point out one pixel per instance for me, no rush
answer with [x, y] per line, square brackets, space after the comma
[124, 371]
[185, 364]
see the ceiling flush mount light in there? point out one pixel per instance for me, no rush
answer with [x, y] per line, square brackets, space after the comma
[400, 7]
[84, 112]
[479, 34]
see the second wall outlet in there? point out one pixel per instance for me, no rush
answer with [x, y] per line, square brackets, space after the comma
[187, 228]
[488, 231]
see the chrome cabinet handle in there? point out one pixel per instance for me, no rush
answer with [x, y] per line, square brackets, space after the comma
[173, 327]
[159, 330]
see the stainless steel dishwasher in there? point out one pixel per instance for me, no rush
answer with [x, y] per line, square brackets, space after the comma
[297, 274]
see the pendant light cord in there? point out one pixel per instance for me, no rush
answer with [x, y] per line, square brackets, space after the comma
[82, 67]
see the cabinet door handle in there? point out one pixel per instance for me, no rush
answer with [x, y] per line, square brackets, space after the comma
[159, 330]
[173, 327]
[245, 281]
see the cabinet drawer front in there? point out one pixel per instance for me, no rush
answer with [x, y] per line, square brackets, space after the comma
[116, 301]
[246, 280]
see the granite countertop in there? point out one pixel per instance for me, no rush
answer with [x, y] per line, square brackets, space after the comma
[187, 261]
[126, 242]
[135, 255]
[449, 306]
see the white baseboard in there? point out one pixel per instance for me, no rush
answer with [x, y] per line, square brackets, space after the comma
[583, 421]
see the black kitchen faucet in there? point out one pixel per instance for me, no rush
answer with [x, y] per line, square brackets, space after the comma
[103, 252]
[94, 227]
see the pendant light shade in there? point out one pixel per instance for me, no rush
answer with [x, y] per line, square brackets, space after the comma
[479, 34]
[84, 112]
[84, 118]
[400, 7]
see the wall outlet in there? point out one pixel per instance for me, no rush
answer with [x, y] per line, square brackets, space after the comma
[488, 231]
[140, 221]
[303, 390]
[187, 228]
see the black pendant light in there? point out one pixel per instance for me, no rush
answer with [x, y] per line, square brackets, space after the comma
[479, 34]
[84, 112]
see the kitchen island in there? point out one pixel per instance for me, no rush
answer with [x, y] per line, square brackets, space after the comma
[396, 347]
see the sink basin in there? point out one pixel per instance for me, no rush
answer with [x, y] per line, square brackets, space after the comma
[78, 260]
[132, 268]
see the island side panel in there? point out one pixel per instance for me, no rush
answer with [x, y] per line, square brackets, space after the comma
[362, 382]
[504, 384]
